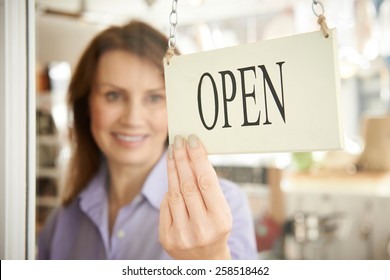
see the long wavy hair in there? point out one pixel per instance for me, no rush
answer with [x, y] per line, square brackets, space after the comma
[137, 38]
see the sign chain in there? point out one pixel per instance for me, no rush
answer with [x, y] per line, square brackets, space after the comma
[172, 31]
[321, 18]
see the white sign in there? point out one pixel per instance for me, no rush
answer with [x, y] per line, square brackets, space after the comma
[274, 96]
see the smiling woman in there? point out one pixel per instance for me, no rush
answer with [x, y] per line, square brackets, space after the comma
[103, 62]
[128, 117]
[128, 110]
[127, 196]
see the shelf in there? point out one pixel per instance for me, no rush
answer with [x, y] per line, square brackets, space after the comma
[47, 100]
[48, 140]
[51, 143]
[48, 201]
[361, 183]
[51, 172]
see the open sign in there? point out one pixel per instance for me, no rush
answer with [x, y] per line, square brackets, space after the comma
[246, 95]
[273, 96]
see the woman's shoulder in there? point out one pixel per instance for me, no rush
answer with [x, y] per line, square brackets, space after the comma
[56, 214]
[231, 189]
[61, 220]
[235, 196]
[242, 240]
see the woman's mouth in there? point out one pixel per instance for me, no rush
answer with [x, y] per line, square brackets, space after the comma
[129, 139]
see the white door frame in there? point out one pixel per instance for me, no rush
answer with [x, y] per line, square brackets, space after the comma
[17, 129]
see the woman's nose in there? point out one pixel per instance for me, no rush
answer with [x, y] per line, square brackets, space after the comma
[133, 113]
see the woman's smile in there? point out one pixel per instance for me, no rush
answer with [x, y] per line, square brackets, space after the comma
[130, 140]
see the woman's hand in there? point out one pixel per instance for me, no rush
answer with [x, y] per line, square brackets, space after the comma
[195, 219]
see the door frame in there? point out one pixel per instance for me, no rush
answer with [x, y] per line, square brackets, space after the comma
[17, 129]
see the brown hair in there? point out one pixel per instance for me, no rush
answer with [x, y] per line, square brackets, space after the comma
[135, 37]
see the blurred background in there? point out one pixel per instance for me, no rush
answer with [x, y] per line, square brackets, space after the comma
[317, 205]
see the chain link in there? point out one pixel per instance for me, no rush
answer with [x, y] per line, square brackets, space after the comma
[172, 30]
[314, 5]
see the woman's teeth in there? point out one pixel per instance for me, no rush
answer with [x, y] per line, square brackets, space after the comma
[127, 138]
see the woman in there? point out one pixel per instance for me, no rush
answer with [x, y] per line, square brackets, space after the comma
[127, 195]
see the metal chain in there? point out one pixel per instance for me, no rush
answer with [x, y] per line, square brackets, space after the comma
[172, 30]
[313, 7]
[321, 17]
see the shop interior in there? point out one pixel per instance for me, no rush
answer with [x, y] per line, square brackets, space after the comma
[305, 205]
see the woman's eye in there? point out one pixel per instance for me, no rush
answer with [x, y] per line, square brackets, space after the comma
[112, 95]
[155, 98]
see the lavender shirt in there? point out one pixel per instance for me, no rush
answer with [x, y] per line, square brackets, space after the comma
[80, 231]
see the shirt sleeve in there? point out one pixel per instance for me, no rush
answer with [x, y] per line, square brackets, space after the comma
[242, 238]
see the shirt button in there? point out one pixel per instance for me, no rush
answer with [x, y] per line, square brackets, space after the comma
[120, 234]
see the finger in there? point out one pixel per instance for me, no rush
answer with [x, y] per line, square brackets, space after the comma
[173, 177]
[165, 222]
[188, 184]
[166, 228]
[206, 176]
[175, 201]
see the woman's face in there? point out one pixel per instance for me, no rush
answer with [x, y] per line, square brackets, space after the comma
[128, 109]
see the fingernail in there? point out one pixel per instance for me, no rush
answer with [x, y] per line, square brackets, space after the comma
[170, 152]
[193, 141]
[178, 142]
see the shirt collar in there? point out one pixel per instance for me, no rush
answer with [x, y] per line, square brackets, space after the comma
[156, 184]
[93, 199]
[95, 194]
